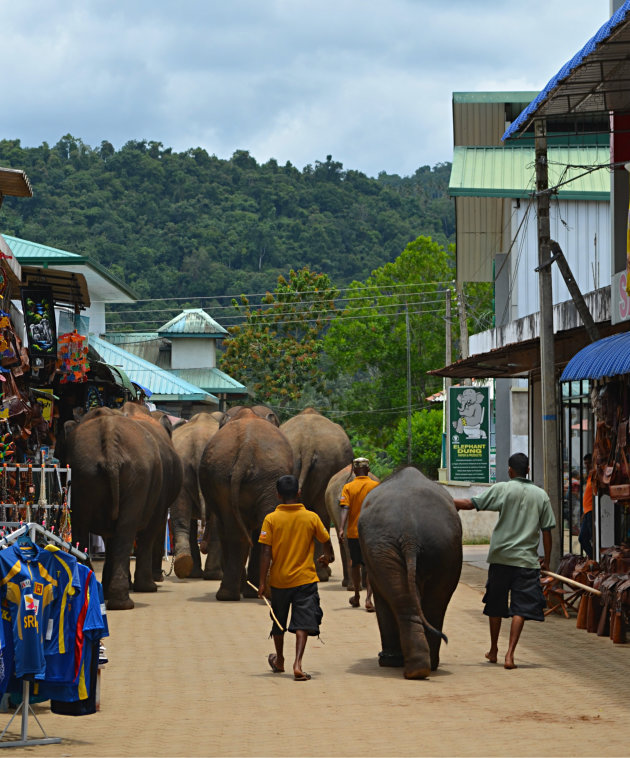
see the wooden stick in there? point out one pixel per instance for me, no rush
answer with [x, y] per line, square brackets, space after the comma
[275, 618]
[572, 582]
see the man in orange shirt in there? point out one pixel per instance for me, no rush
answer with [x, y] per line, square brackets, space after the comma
[351, 502]
[287, 537]
[586, 528]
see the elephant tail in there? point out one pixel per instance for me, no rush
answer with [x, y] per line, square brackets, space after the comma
[235, 486]
[111, 474]
[410, 555]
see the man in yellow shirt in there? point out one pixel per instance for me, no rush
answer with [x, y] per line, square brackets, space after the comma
[287, 537]
[351, 502]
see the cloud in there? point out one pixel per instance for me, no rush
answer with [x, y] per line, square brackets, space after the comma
[367, 81]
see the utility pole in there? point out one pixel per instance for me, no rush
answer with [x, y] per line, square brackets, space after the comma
[463, 325]
[446, 386]
[408, 332]
[550, 445]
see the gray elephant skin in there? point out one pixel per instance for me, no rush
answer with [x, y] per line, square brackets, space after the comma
[190, 441]
[160, 428]
[116, 482]
[238, 473]
[411, 541]
[320, 448]
[332, 497]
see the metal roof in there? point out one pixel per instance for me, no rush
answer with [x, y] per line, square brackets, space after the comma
[15, 183]
[511, 172]
[163, 384]
[606, 357]
[102, 285]
[494, 97]
[596, 79]
[192, 322]
[212, 380]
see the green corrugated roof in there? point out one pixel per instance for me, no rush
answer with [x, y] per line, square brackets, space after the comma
[30, 253]
[510, 172]
[192, 322]
[211, 380]
[163, 384]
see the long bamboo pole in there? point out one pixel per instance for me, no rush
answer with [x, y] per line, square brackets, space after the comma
[572, 582]
[269, 604]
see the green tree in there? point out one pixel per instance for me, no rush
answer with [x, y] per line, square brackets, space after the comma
[426, 442]
[368, 341]
[275, 351]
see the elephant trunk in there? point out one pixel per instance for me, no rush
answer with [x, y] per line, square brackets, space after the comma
[410, 554]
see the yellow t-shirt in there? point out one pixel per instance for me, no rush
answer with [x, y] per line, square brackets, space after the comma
[352, 497]
[290, 530]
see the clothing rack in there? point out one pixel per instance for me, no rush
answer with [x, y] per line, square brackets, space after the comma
[32, 529]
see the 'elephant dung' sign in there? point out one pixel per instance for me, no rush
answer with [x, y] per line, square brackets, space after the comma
[469, 434]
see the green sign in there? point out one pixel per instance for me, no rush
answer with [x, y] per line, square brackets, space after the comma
[469, 434]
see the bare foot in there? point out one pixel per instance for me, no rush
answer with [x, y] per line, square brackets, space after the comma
[300, 676]
[509, 663]
[491, 657]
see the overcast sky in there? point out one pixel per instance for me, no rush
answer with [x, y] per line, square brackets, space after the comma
[368, 81]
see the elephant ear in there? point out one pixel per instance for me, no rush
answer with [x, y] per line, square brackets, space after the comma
[166, 423]
[69, 426]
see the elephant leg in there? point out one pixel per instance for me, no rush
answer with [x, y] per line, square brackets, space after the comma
[253, 567]
[213, 568]
[235, 553]
[181, 518]
[434, 610]
[118, 550]
[323, 572]
[157, 553]
[391, 654]
[143, 577]
[344, 557]
[195, 571]
[404, 606]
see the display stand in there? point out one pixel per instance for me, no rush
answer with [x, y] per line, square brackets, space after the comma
[25, 707]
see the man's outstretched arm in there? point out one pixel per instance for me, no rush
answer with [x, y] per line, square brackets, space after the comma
[463, 503]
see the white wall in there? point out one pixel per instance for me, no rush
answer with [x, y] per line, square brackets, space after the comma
[585, 241]
[193, 352]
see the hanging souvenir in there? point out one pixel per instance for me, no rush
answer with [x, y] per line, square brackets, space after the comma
[39, 319]
[72, 361]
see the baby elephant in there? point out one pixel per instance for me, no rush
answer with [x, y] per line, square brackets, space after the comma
[411, 541]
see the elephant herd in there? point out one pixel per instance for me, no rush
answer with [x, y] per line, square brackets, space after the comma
[130, 468]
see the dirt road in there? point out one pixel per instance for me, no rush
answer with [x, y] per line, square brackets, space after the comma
[188, 676]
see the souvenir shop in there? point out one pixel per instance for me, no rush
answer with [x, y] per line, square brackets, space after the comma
[52, 608]
[595, 386]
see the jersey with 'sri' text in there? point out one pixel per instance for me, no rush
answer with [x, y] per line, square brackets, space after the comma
[67, 675]
[29, 585]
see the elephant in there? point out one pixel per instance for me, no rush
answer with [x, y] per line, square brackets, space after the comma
[161, 429]
[411, 541]
[116, 481]
[190, 441]
[238, 472]
[260, 410]
[320, 448]
[332, 497]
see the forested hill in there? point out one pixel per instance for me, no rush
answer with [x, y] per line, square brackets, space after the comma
[190, 224]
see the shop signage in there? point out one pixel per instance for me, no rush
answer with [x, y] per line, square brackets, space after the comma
[469, 434]
[619, 299]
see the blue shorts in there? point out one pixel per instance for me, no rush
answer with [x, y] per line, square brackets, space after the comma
[522, 585]
[306, 612]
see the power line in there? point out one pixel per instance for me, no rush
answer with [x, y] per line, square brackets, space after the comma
[301, 321]
[351, 288]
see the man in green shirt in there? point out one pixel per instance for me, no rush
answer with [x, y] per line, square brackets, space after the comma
[524, 511]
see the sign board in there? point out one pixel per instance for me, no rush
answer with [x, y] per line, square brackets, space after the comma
[619, 299]
[469, 434]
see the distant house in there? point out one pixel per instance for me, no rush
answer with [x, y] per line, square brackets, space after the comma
[185, 347]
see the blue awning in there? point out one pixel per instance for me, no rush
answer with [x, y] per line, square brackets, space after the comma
[606, 357]
[584, 90]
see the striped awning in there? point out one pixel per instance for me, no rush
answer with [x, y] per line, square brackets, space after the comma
[606, 357]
